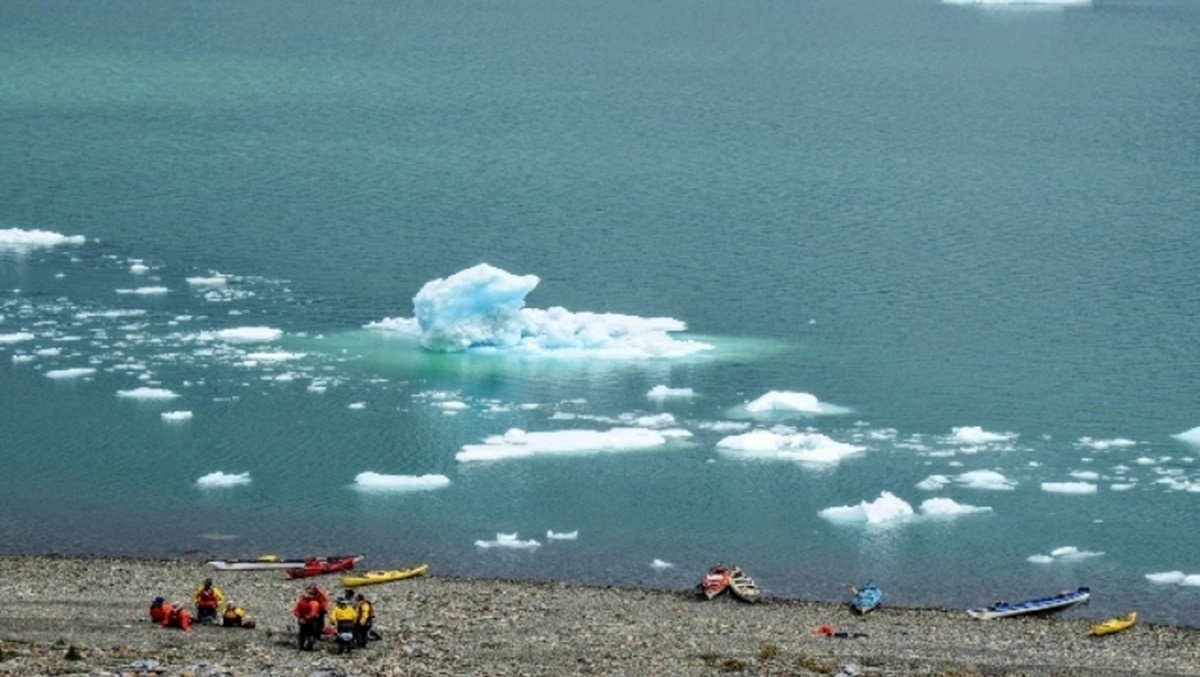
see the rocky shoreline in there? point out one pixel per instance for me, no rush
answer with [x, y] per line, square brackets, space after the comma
[88, 616]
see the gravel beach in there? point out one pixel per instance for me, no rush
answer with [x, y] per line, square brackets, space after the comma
[88, 616]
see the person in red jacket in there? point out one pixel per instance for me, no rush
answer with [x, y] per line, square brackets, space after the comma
[159, 610]
[309, 618]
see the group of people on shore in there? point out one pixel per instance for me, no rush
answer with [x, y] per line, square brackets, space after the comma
[208, 600]
[351, 615]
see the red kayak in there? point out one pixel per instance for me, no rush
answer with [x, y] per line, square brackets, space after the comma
[715, 582]
[328, 565]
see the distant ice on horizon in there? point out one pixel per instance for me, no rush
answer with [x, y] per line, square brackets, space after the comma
[482, 308]
[1020, 3]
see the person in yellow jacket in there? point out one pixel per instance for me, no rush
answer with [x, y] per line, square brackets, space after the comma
[343, 616]
[364, 618]
[234, 616]
[208, 599]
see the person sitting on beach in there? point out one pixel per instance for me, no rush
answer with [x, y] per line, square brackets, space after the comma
[178, 617]
[309, 618]
[208, 599]
[234, 616]
[159, 610]
[363, 620]
[343, 617]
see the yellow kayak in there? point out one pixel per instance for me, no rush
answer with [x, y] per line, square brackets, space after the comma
[383, 576]
[1115, 624]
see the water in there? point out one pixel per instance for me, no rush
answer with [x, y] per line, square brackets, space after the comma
[933, 215]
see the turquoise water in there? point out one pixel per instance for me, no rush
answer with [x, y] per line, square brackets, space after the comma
[932, 215]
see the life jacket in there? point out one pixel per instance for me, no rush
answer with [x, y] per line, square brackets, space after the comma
[343, 616]
[232, 616]
[159, 613]
[306, 609]
[207, 597]
[366, 613]
[178, 618]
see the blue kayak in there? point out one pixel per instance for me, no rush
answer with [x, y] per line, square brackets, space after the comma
[866, 598]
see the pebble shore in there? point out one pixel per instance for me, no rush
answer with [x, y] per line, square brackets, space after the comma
[88, 616]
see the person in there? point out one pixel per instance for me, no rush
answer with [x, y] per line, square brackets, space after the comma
[178, 617]
[233, 616]
[343, 618]
[309, 618]
[159, 610]
[364, 618]
[208, 599]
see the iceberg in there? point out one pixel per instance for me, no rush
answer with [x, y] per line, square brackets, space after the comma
[482, 308]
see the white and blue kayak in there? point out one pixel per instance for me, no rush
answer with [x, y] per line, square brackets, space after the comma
[1053, 603]
[866, 598]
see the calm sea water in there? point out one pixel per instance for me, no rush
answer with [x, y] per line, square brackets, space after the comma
[935, 216]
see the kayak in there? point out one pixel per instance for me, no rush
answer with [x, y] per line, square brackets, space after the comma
[1115, 624]
[866, 598]
[272, 562]
[1052, 603]
[318, 567]
[383, 576]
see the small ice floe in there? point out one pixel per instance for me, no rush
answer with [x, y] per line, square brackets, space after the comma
[886, 508]
[145, 393]
[357, 405]
[517, 443]
[220, 479]
[1189, 436]
[373, 481]
[145, 291]
[214, 281]
[985, 479]
[508, 541]
[946, 507]
[1106, 445]
[176, 416]
[660, 564]
[244, 335]
[76, 372]
[661, 392]
[1064, 554]
[785, 445]
[15, 337]
[562, 535]
[21, 241]
[1069, 487]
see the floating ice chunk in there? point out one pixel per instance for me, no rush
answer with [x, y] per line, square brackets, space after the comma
[145, 291]
[777, 400]
[1189, 436]
[70, 373]
[275, 356]
[562, 535]
[176, 416]
[220, 479]
[661, 392]
[1191, 580]
[945, 507]
[145, 393]
[809, 448]
[660, 564]
[357, 405]
[1106, 445]
[1123, 486]
[985, 479]
[373, 481]
[244, 335]
[973, 434]
[508, 541]
[483, 307]
[1167, 577]
[517, 443]
[215, 281]
[19, 241]
[933, 483]
[1085, 475]
[886, 508]
[1069, 487]
[17, 337]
